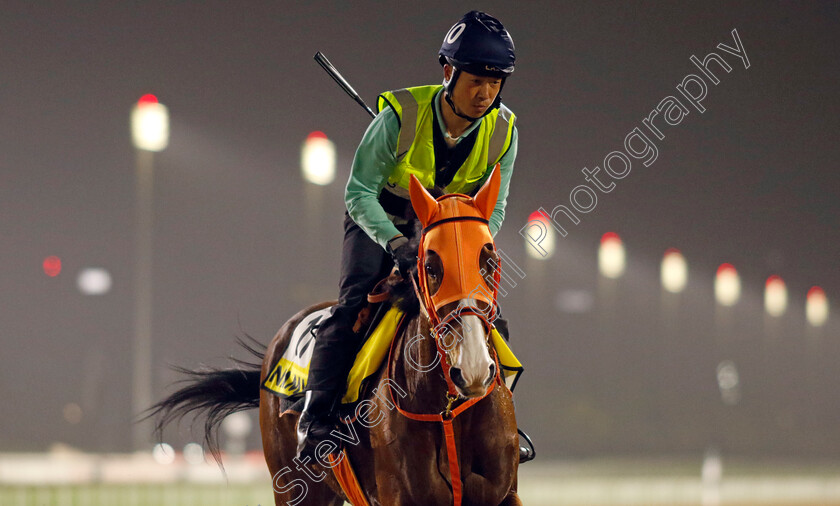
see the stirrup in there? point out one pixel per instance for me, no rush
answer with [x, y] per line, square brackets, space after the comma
[526, 454]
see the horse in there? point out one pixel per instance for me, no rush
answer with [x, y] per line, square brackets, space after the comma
[436, 424]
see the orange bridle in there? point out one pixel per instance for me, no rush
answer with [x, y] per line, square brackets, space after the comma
[455, 227]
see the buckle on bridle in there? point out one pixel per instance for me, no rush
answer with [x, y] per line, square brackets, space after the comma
[450, 400]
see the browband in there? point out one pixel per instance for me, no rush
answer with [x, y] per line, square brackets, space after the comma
[455, 218]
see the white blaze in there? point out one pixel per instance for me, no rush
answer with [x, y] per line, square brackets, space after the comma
[474, 358]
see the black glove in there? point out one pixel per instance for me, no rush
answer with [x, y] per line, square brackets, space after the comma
[405, 257]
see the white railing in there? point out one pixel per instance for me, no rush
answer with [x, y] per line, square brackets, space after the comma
[77, 479]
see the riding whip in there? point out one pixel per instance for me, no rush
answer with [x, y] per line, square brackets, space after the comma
[337, 77]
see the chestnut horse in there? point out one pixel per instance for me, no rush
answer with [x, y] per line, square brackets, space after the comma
[436, 423]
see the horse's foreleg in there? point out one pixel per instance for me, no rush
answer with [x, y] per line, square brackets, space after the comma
[512, 499]
[479, 490]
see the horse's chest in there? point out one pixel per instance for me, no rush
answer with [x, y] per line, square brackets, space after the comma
[385, 436]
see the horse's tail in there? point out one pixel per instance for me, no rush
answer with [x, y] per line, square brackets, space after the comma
[214, 392]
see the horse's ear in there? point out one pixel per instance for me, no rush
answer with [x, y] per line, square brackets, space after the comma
[421, 200]
[485, 199]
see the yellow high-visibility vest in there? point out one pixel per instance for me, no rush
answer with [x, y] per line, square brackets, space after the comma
[415, 148]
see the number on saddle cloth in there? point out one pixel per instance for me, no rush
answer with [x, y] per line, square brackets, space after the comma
[288, 376]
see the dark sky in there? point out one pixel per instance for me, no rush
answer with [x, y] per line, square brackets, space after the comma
[752, 181]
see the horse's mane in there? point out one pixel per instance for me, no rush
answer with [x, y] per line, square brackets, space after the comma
[402, 293]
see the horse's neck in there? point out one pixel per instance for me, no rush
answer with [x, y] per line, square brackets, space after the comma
[426, 388]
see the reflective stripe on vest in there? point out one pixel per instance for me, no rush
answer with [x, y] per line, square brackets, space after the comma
[415, 149]
[499, 136]
[408, 122]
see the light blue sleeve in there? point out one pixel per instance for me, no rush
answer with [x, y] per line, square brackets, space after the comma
[506, 169]
[372, 166]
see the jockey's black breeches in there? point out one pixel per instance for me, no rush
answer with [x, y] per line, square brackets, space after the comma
[363, 264]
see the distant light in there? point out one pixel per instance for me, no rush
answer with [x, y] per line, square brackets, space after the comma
[711, 475]
[237, 425]
[816, 307]
[729, 382]
[52, 266]
[317, 159]
[611, 256]
[539, 236]
[674, 271]
[775, 296]
[150, 124]
[72, 413]
[194, 454]
[574, 301]
[712, 470]
[94, 281]
[163, 454]
[727, 285]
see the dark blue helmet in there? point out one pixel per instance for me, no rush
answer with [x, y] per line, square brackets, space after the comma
[479, 44]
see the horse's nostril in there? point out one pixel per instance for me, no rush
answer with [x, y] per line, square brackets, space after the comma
[492, 375]
[457, 377]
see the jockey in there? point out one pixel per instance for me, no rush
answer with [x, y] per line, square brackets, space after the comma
[462, 132]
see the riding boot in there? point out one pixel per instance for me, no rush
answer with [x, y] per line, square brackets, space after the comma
[316, 421]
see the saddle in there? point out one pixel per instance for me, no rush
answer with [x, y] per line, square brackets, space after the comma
[289, 374]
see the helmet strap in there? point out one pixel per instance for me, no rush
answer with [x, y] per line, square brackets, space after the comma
[452, 106]
[448, 86]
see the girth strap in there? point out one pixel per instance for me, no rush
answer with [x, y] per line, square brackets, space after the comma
[343, 471]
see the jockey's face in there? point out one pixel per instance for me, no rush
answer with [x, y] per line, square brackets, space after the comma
[473, 94]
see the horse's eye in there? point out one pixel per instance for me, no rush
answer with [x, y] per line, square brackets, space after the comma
[430, 271]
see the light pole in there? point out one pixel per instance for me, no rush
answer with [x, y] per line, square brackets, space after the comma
[673, 274]
[317, 165]
[149, 133]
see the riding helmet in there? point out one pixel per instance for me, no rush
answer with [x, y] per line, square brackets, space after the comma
[479, 44]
